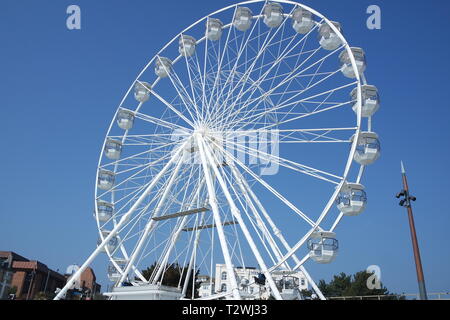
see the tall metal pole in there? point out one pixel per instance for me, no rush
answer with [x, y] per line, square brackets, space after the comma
[406, 202]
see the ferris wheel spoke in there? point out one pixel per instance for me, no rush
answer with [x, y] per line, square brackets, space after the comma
[137, 156]
[143, 211]
[276, 231]
[308, 85]
[177, 112]
[193, 100]
[317, 110]
[267, 41]
[233, 70]
[295, 73]
[209, 68]
[240, 133]
[276, 63]
[328, 94]
[186, 101]
[311, 86]
[299, 93]
[320, 174]
[220, 60]
[161, 122]
[253, 88]
[134, 175]
[271, 189]
[135, 161]
[241, 50]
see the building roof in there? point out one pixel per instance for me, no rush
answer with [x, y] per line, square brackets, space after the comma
[15, 256]
[21, 263]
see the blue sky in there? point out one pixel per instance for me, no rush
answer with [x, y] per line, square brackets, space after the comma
[59, 90]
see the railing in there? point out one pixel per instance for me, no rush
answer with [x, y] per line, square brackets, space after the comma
[403, 296]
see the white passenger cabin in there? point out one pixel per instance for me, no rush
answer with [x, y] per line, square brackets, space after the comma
[186, 45]
[273, 15]
[243, 18]
[105, 179]
[142, 91]
[323, 246]
[370, 100]
[113, 149]
[328, 39]
[367, 149]
[302, 21]
[352, 199]
[112, 244]
[162, 67]
[125, 119]
[113, 274]
[346, 64]
[105, 210]
[213, 29]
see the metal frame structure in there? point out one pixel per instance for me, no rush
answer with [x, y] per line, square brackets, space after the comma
[246, 82]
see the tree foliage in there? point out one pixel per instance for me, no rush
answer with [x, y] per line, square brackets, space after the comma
[172, 275]
[343, 285]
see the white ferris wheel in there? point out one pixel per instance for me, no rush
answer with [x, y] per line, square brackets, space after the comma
[242, 142]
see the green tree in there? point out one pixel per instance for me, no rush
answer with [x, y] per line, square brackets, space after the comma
[172, 275]
[337, 285]
[343, 285]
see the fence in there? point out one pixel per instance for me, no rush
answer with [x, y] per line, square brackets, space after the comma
[403, 296]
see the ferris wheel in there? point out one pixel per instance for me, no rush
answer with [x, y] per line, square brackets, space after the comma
[241, 143]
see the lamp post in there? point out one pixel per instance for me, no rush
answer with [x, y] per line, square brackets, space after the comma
[406, 202]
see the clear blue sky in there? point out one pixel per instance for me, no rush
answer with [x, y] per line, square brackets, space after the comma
[59, 90]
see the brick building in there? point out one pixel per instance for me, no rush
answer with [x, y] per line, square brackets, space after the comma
[27, 278]
[87, 283]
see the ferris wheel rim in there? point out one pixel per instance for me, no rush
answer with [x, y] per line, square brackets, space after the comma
[359, 99]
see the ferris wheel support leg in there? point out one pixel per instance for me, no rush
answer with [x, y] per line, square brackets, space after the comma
[236, 213]
[151, 222]
[218, 222]
[121, 223]
[277, 232]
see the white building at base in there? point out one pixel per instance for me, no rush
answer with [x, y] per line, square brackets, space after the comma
[289, 283]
